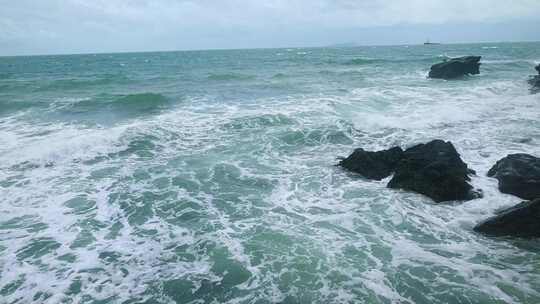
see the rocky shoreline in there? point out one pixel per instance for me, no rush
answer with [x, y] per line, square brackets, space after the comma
[436, 170]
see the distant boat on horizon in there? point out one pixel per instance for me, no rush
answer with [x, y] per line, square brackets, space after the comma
[430, 43]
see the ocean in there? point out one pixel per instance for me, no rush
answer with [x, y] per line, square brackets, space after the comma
[211, 177]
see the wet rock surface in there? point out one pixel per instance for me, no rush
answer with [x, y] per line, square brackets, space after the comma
[436, 170]
[522, 220]
[456, 67]
[518, 174]
[373, 165]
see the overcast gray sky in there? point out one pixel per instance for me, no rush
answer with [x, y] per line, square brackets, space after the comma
[77, 26]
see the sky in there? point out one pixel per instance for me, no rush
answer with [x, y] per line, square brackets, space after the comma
[91, 26]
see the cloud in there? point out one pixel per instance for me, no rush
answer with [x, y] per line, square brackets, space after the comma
[81, 25]
[307, 12]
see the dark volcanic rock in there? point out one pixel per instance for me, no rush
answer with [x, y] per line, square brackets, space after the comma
[436, 170]
[456, 67]
[522, 220]
[373, 165]
[518, 174]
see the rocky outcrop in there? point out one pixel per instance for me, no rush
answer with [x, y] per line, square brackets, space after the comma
[436, 170]
[535, 81]
[522, 220]
[456, 67]
[518, 174]
[373, 165]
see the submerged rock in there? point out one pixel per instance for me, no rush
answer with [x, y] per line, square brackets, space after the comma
[535, 81]
[373, 165]
[436, 170]
[456, 67]
[518, 174]
[522, 220]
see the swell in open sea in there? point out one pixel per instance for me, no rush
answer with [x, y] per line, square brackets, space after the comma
[210, 177]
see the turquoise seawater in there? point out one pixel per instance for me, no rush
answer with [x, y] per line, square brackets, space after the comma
[210, 177]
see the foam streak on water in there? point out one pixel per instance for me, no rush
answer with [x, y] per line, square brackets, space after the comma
[210, 177]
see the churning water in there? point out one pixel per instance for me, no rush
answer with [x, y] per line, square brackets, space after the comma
[210, 177]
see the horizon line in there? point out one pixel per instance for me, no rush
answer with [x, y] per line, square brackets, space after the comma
[335, 45]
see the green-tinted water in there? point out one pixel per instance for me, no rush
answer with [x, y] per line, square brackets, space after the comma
[209, 177]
